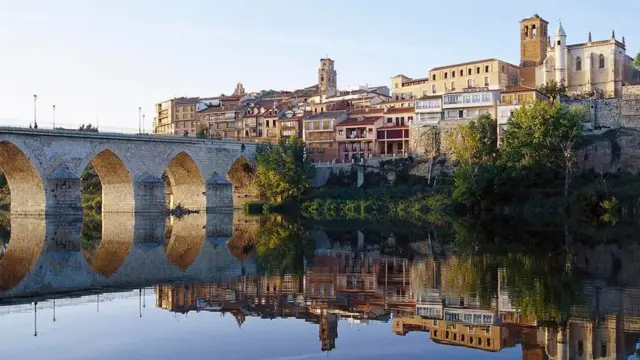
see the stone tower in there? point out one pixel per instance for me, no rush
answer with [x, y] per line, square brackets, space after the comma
[327, 78]
[560, 54]
[533, 47]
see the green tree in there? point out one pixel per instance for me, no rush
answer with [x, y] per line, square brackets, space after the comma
[203, 131]
[283, 170]
[553, 90]
[636, 62]
[474, 145]
[543, 135]
[476, 141]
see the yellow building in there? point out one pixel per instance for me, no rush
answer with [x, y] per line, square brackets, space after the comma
[493, 74]
[512, 99]
[176, 117]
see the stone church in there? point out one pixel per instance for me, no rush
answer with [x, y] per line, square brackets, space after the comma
[593, 68]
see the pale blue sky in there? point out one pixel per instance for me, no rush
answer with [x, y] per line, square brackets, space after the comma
[105, 58]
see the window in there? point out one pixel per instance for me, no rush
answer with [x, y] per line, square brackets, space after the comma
[526, 31]
[469, 82]
[389, 120]
[445, 75]
[580, 348]
[488, 342]
[601, 61]
[435, 333]
[433, 88]
[486, 81]
[478, 70]
[603, 349]
[470, 339]
[503, 69]
[340, 132]
[453, 74]
[461, 72]
[453, 85]
[469, 71]
[486, 68]
[578, 64]
[533, 31]
[434, 77]
[479, 341]
[559, 43]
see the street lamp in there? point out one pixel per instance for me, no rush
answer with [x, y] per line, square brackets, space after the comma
[35, 122]
[54, 117]
[143, 123]
[139, 120]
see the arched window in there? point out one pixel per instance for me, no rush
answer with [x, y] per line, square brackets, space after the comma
[578, 64]
[461, 72]
[469, 71]
[478, 70]
[445, 75]
[526, 31]
[601, 61]
[453, 74]
[533, 31]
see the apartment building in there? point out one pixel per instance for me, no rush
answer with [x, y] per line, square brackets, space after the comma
[221, 121]
[402, 103]
[393, 135]
[512, 99]
[290, 124]
[356, 138]
[490, 73]
[470, 103]
[428, 110]
[176, 117]
[320, 135]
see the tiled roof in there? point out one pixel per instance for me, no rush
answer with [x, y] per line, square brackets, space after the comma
[366, 112]
[517, 89]
[186, 101]
[468, 63]
[400, 110]
[327, 115]
[365, 121]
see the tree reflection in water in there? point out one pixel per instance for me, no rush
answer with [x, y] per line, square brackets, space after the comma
[283, 246]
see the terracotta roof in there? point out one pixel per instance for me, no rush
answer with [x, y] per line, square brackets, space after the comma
[186, 101]
[416, 80]
[365, 112]
[327, 115]
[395, 101]
[517, 89]
[400, 110]
[370, 120]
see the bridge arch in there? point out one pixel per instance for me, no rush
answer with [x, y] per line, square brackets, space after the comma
[184, 239]
[26, 242]
[107, 241]
[185, 182]
[241, 175]
[116, 181]
[25, 184]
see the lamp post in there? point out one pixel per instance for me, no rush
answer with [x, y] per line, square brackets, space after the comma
[143, 123]
[139, 120]
[54, 117]
[35, 122]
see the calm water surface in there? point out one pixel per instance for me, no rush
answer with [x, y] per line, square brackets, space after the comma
[227, 286]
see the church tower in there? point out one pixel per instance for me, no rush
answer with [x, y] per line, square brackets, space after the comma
[560, 54]
[533, 47]
[327, 78]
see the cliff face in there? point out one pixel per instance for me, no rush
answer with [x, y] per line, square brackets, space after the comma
[613, 150]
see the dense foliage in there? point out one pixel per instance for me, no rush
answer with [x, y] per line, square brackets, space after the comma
[283, 170]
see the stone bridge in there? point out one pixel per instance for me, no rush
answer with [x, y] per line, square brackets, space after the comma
[46, 254]
[43, 169]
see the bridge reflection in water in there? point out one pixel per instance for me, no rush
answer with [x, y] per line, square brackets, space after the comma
[130, 251]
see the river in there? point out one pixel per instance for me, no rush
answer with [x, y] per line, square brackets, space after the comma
[230, 286]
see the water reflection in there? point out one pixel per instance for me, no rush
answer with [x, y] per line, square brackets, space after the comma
[580, 302]
[26, 241]
[107, 240]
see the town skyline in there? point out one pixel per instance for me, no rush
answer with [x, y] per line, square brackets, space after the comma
[139, 75]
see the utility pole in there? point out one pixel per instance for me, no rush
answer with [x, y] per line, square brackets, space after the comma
[35, 122]
[139, 120]
[142, 123]
[54, 117]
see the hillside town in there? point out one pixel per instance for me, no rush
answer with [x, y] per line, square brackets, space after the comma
[410, 116]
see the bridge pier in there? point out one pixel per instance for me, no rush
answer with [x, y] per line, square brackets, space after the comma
[149, 195]
[219, 194]
[62, 192]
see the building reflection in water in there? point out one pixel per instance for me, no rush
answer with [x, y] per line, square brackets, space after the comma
[423, 296]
